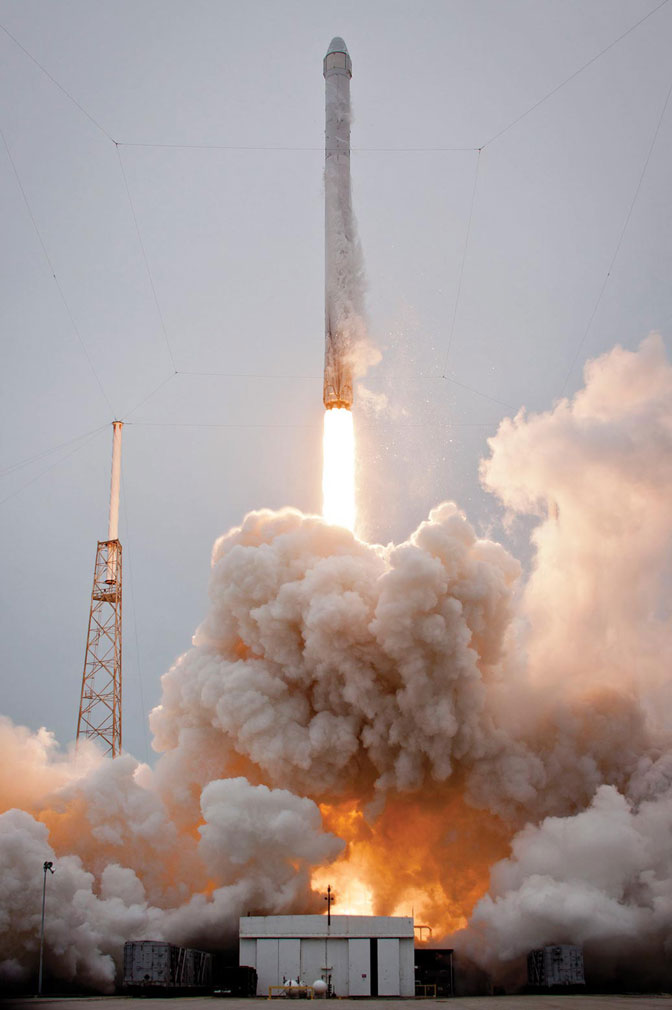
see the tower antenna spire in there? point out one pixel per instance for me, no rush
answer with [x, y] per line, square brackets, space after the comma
[100, 700]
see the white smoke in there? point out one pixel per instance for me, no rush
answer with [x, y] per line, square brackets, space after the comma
[600, 878]
[370, 401]
[32, 764]
[395, 685]
[86, 930]
[125, 870]
[259, 844]
[599, 472]
[332, 665]
[598, 643]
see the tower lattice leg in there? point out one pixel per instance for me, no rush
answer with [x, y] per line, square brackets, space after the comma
[100, 702]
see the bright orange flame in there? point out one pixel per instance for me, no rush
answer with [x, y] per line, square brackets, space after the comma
[426, 856]
[338, 468]
[352, 896]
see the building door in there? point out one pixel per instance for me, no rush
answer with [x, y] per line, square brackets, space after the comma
[388, 967]
[359, 967]
[289, 961]
[267, 964]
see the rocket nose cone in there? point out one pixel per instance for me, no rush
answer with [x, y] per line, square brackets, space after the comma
[337, 45]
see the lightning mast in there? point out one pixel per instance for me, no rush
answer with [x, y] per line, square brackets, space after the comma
[100, 701]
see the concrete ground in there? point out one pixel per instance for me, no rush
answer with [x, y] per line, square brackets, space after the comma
[662, 1001]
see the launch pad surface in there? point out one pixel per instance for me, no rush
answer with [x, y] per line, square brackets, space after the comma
[557, 1002]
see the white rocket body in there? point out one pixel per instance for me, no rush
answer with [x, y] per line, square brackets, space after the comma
[339, 229]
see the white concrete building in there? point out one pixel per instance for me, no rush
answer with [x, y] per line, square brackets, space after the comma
[365, 955]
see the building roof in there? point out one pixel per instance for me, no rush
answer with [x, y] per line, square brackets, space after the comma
[306, 926]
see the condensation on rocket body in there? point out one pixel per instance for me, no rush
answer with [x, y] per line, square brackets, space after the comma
[341, 311]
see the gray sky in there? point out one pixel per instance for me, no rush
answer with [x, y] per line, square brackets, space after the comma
[210, 115]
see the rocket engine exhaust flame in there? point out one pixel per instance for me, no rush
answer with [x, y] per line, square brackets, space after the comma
[338, 469]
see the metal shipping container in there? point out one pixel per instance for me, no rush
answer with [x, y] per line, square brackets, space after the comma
[236, 980]
[561, 964]
[156, 965]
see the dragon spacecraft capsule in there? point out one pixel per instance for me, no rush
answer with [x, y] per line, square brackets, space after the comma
[338, 230]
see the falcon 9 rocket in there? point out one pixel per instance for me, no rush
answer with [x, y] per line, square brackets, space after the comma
[340, 310]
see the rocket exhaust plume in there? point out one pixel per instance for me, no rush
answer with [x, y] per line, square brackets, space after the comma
[338, 469]
[344, 327]
[369, 717]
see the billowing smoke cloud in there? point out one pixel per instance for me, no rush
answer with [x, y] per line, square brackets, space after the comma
[32, 764]
[86, 929]
[598, 471]
[125, 870]
[596, 632]
[332, 666]
[410, 723]
[597, 638]
[602, 879]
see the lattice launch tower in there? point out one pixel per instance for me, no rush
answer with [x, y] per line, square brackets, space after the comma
[100, 702]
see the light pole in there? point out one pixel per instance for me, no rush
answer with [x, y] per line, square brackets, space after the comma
[330, 900]
[47, 867]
